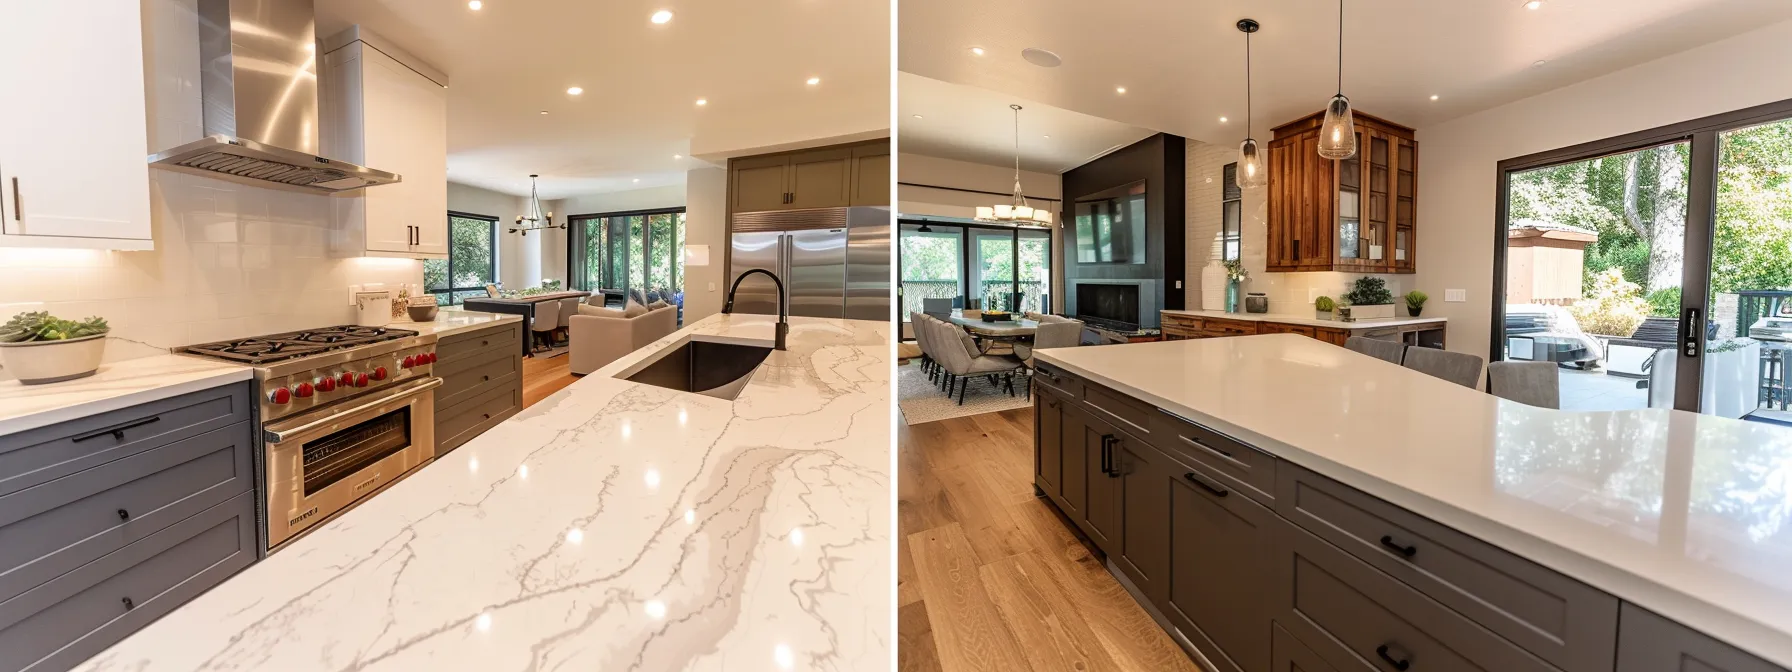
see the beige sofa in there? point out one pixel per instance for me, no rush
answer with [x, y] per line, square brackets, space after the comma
[597, 341]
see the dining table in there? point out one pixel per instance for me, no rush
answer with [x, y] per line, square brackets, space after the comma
[520, 305]
[989, 334]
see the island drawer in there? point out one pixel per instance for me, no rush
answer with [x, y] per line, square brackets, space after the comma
[469, 377]
[51, 529]
[1561, 620]
[61, 623]
[1068, 387]
[37, 456]
[458, 424]
[1357, 618]
[1219, 328]
[1250, 471]
[1119, 410]
[466, 344]
[1289, 654]
[1284, 328]
[1650, 643]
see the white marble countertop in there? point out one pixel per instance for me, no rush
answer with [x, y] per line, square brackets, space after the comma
[1309, 320]
[449, 322]
[612, 526]
[117, 385]
[1687, 515]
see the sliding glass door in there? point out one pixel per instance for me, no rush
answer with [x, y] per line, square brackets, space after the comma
[1655, 268]
[629, 252]
[931, 266]
[986, 267]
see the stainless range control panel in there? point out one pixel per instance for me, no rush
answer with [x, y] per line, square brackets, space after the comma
[292, 393]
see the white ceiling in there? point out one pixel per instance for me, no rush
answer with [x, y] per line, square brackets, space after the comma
[971, 124]
[1182, 63]
[514, 58]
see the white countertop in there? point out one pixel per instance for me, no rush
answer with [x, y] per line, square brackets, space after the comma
[449, 322]
[612, 526]
[116, 385]
[1687, 515]
[1309, 320]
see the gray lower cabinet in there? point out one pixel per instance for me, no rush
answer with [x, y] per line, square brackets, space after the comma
[1219, 567]
[1101, 511]
[1048, 428]
[111, 521]
[482, 383]
[1650, 643]
[1288, 654]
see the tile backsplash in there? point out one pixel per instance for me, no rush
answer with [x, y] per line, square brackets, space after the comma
[231, 260]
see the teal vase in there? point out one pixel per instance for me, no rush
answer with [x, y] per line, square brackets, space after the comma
[1232, 297]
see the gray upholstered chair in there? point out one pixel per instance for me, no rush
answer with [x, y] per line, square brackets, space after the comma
[959, 358]
[1389, 351]
[547, 319]
[568, 307]
[1461, 369]
[1053, 332]
[918, 326]
[1534, 383]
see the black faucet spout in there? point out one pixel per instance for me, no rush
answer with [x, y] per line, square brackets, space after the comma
[783, 328]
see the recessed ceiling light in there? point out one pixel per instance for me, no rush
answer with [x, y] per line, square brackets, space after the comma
[574, 91]
[662, 16]
[637, 179]
[702, 101]
[544, 111]
[917, 116]
[676, 157]
[1434, 96]
[1539, 63]
[1046, 137]
[976, 51]
[1222, 120]
[1120, 89]
[813, 81]
[1041, 57]
[475, 5]
[1533, 4]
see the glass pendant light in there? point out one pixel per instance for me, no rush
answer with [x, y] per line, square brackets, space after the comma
[1251, 172]
[1337, 135]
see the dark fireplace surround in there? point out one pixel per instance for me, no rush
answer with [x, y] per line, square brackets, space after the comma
[1102, 290]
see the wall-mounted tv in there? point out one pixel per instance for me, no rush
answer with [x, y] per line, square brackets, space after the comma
[1110, 226]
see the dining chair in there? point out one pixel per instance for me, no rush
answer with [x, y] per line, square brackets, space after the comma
[918, 326]
[569, 307]
[1057, 333]
[547, 319]
[936, 307]
[960, 359]
[1459, 368]
[1389, 351]
[1534, 383]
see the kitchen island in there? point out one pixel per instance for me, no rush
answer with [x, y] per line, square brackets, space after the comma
[612, 526]
[1380, 518]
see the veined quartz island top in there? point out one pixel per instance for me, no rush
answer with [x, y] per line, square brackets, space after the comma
[1683, 514]
[116, 385]
[612, 526]
[450, 322]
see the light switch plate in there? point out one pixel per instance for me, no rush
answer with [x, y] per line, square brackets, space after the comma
[712, 286]
[1179, 284]
[1455, 295]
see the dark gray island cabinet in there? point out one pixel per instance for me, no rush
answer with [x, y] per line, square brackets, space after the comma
[110, 521]
[1254, 563]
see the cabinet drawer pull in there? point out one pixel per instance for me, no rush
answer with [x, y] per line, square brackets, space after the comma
[128, 604]
[124, 515]
[18, 213]
[1198, 444]
[1210, 487]
[487, 416]
[1107, 444]
[117, 431]
[485, 379]
[1407, 551]
[1400, 664]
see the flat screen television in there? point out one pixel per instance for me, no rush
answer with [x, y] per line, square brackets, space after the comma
[1110, 226]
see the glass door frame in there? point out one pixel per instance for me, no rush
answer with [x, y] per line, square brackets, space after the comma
[969, 255]
[617, 222]
[1701, 220]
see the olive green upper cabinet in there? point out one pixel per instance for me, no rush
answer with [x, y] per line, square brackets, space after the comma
[827, 177]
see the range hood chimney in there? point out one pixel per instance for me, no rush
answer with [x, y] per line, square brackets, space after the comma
[258, 88]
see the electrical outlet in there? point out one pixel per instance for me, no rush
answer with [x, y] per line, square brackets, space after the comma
[712, 286]
[1455, 295]
[1179, 284]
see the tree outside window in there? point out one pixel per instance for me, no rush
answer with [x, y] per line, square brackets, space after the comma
[472, 261]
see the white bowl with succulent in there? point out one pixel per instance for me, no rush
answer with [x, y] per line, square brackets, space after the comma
[40, 348]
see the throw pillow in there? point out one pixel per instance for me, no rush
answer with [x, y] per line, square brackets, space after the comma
[634, 310]
[658, 305]
[600, 311]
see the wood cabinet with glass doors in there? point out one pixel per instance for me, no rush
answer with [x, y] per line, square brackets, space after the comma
[1358, 214]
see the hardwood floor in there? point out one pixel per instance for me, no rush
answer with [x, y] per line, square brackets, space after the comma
[543, 376]
[990, 577]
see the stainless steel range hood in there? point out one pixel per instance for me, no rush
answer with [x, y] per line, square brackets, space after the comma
[258, 85]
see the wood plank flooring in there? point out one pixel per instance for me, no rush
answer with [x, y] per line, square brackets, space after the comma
[543, 376]
[990, 577]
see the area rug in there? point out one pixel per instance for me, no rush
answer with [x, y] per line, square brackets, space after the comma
[921, 402]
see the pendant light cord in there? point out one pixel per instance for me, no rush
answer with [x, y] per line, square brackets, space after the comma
[1020, 199]
[1247, 86]
[1340, 47]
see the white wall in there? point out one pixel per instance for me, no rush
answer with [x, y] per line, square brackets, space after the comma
[519, 258]
[1458, 158]
[651, 198]
[705, 220]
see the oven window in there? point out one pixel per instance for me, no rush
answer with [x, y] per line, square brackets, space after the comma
[342, 454]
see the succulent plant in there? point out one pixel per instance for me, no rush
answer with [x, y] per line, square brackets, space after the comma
[41, 326]
[1324, 304]
[1415, 299]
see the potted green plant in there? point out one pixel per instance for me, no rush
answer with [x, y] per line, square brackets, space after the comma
[40, 348]
[1323, 306]
[1235, 275]
[1415, 302]
[1369, 299]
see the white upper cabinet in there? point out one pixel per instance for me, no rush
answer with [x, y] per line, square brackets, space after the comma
[73, 139]
[383, 109]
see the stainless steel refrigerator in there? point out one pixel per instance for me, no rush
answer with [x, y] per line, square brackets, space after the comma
[834, 262]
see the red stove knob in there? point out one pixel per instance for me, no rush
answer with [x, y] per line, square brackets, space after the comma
[326, 384]
[302, 391]
[361, 380]
[432, 357]
[280, 395]
[409, 362]
[379, 373]
[347, 380]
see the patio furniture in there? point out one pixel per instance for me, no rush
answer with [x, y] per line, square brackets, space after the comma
[1461, 369]
[1534, 383]
[1393, 352]
[1625, 356]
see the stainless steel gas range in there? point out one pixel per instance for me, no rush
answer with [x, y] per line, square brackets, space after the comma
[345, 411]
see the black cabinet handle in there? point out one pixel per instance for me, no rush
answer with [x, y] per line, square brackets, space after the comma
[128, 604]
[1210, 487]
[124, 515]
[485, 379]
[117, 431]
[1107, 459]
[1400, 664]
[1407, 551]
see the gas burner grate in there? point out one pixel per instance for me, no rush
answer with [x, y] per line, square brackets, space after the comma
[281, 347]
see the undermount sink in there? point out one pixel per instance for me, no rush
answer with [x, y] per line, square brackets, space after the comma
[708, 368]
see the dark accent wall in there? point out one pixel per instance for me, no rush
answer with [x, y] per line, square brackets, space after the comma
[1159, 160]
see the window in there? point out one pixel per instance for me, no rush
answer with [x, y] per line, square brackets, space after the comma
[472, 261]
[629, 251]
[1231, 210]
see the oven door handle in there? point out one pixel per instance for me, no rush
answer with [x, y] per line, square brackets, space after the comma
[272, 436]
